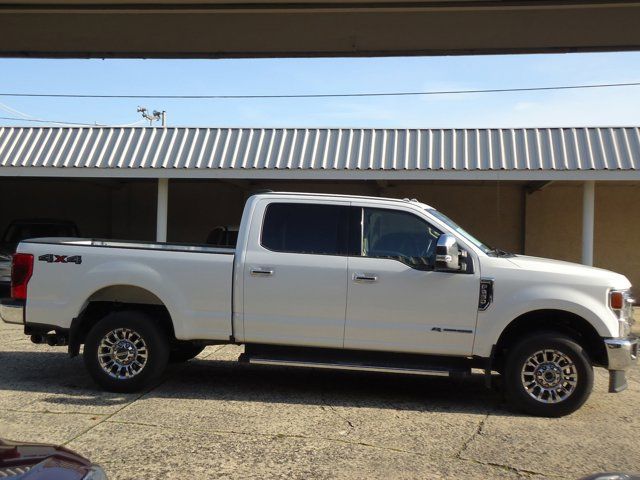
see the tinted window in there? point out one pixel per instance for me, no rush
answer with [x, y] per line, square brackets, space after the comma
[400, 236]
[305, 228]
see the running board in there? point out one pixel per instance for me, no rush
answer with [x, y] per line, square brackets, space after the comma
[347, 366]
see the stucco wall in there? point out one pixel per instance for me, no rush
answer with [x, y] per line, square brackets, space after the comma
[100, 208]
[85, 203]
[127, 209]
[493, 212]
[195, 208]
[554, 225]
[490, 211]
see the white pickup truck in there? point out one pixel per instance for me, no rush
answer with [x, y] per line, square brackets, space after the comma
[330, 281]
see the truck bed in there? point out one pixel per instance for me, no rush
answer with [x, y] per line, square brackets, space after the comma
[194, 282]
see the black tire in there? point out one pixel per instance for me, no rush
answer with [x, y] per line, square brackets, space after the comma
[184, 352]
[566, 403]
[155, 345]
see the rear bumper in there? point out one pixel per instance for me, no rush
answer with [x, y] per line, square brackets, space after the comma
[12, 311]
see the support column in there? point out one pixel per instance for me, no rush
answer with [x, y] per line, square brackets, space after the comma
[588, 214]
[162, 210]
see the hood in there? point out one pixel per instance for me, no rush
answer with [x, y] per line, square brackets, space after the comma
[583, 273]
[37, 461]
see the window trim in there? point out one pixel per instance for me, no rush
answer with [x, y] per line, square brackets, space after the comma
[328, 204]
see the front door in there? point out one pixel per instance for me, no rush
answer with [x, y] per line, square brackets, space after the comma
[295, 274]
[396, 301]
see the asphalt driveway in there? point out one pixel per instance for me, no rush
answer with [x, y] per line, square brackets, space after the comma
[214, 418]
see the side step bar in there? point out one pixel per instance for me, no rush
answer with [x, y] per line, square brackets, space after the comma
[347, 366]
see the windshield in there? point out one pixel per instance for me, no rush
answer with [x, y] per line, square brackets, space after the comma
[461, 231]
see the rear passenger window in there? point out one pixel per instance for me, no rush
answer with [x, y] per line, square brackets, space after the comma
[305, 228]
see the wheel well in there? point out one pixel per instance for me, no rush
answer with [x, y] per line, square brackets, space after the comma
[125, 294]
[559, 321]
[117, 298]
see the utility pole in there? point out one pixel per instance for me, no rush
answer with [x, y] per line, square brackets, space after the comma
[154, 117]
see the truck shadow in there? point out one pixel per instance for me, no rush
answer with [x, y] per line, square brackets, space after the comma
[55, 379]
[208, 379]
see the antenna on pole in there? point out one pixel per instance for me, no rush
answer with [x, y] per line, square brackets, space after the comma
[154, 117]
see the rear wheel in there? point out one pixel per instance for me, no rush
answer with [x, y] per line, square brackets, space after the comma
[548, 375]
[126, 351]
[184, 352]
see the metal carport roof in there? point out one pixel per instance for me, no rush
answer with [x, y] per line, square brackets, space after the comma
[587, 153]
[310, 28]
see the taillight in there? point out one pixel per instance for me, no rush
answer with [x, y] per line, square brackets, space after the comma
[21, 271]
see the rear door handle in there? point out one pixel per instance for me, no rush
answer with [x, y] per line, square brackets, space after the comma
[261, 271]
[365, 277]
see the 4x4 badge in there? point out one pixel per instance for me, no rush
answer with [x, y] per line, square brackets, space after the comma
[50, 258]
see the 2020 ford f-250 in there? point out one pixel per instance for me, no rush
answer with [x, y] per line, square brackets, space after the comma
[331, 281]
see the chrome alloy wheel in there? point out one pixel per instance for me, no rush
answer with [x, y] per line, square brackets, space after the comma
[549, 376]
[122, 353]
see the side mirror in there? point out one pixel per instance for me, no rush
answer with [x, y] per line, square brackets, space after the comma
[447, 254]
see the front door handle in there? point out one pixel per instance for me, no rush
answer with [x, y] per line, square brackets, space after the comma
[261, 272]
[365, 277]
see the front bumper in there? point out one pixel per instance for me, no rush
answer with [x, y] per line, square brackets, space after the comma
[622, 354]
[12, 311]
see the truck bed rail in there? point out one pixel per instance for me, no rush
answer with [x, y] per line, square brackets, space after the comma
[132, 244]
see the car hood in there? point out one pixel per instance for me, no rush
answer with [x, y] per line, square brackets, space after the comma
[592, 275]
[37, 461]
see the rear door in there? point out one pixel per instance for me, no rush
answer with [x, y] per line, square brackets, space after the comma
[295, 273]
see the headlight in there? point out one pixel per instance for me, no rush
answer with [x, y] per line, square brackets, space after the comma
[621, 302]
[96, 473]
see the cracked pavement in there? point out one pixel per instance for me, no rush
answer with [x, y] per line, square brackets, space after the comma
[214, 418]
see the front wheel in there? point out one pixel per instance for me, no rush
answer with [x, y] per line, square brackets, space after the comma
[126, 351]
[548, 375]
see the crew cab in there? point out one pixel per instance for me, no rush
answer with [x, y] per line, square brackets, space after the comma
[330, 281]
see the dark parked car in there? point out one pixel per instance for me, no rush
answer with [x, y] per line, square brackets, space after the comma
[19, 230]
[37, 461]
[223, 236]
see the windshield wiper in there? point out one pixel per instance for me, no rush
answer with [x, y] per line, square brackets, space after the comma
[498, 252]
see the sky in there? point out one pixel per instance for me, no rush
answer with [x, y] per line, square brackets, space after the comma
[604, 107]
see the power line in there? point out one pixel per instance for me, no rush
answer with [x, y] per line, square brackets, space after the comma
[13, 111]
[77, 124]
[52, 121]
[30, 118]
[324, 95]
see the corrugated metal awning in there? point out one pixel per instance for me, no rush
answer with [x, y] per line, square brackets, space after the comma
[572, 153]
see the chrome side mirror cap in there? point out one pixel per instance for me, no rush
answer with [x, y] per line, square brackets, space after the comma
[447, 254]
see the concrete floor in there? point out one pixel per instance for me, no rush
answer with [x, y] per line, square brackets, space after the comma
[213, 418]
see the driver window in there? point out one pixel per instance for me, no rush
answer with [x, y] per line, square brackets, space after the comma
[400, 236]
